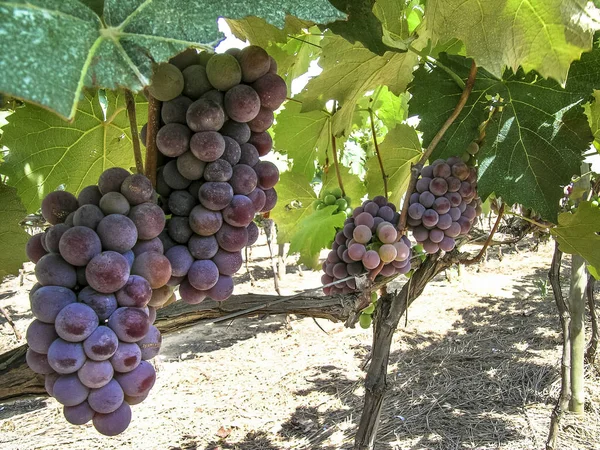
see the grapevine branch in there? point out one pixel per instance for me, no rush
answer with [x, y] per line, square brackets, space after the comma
[337, 164]
[135, 138]
[383, 174]
[487, 242]
[415, 170]
[151, 150]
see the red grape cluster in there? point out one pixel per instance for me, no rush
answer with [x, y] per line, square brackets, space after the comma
[101, 273]
[444, 205]
[212, 181]
[368, 238]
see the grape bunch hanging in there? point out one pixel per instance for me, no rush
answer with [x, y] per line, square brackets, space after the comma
[215, 115]
[444, 204]
[334, 197]
[368, 239]
[101, 275]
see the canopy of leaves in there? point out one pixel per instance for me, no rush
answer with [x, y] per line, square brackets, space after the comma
[12, 237]
[57, 47]
[349, 71]
[541, 35]
[577, 233]
[398, 151]
[45, 152]
[534, 138]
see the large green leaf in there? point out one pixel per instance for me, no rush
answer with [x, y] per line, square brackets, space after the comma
[52, 48]
[592, 111]
[542, 35]
[45, 152]
[349, 71]
[12, 237]
[294, 57]
[399, 150]
[295, 197]
[534, 141]
[314, 233]
[303, 136]
[258, 31]
[577, 233]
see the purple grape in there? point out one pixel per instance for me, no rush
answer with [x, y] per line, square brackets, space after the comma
[430, 247]
[149, 220]
[386, 213]
[402, 251]
[136, 292]
[430, 218]
[189, 166]
[180, 259]
[53, 270]
[453, 184]
[75, 322]
[34, 248]
[416, 210]
[207, 146]
[66, 357]
[222, 289]
[238, 131]
[356, 251]
[454, 198]
[129, 324]
[244, 179]
[137, 381]
[469, 213]
[436, 235]
[190, 294]
[371, 207]
[380, 201]
[126, 358]
[40, 335]
[88, 216]
[113, 423]
[204, 221]
[95, 374]
[117, 233]
[460, 170]
[444, 221]
[387, 253]
[228, 263]
[78, 414]
[466, 189]
[101, 344]
[268, 174]
[271, 90]
[215, 195]
[38, 362]
[112, 179]
[426, 199]
[172, 177]
[253, 232]
[240, 212]
[362, 234]
[387, 233]
[270, 200]
[219, 170]
[89, 195]
[371, 259]
[151, 245]
[181, 203]
[102, 304]
[57, 205]
[423, 184]
[69, 391]
[249, 155]
[203, 274]
[465, 225]
[154, 267]
[150, 344]
[242, 103]
[232, 152]
[364, 218]
[441, 205]
[203, 247]
[107, 272]
[420, 234]
[414, 198]
[232, 239]
[453, 230]
[205, 115]
[47, 301]
[106, 399]
[447, 244]
[442, 170]
[174, 110]
[173, 139]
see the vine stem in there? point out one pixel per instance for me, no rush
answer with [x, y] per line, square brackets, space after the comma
[527, 219]
[151, 150]
[336, 164]
[434, 61]
[415, 170]
[135, 138]
[486, 244]
[383, 174]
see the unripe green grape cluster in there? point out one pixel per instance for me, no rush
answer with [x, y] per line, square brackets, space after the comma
[332, 197]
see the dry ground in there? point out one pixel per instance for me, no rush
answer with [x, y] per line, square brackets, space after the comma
[474, 367]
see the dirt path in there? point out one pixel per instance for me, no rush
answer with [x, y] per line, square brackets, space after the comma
[475, 367]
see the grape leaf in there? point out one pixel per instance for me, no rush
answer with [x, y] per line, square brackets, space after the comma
[361, 25]
[349, 71]
[577, 233]
[314, 233]
[353, 186]
[12, 237]
[398, 151]
[534, 140]
[45, 152]
[592, 111]
[95, 5]
[541, 35]
[391, 14]
[303, 136]
[80, 49]
[294, 57]
[258, 31]
[294, 203]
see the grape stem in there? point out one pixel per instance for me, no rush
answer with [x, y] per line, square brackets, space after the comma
[336, 164]
[486, 244]
[383, 174]
[527, 219]
[135, 138]
[415, 170]
[151, 131]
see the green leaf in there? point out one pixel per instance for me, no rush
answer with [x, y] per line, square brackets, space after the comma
[577, 233]
[45, 152]
[294, 203]
[294, 57]
[349, 71]
[542, 35]
[257, 31]
[389, 108]
[12, 237]
[353, 186]
[592, 111]
[534, 140]
[391, 14]
[399, 150]
[58, 46]
[593, 272]
[361, 25]
[95, 5]
[303, 136]
[314, 233]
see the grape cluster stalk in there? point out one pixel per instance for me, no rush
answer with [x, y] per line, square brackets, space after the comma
[444, 205]
[101, 274]
[369, 238]
[211, 180]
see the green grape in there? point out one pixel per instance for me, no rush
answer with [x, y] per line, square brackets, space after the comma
[369, 309]
[365, 321]
[373, 297]
[341, 204]
[337, 192]
[166, 82]
[348, 212]
[347, 200]
[473, 148]
[595, 203]
[329, 199]
[465, 157]
[318, 205]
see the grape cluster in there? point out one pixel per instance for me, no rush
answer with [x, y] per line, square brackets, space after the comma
[368, 238]
[101, 275]
[444, 205]
[212, 181]
[334, 197]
